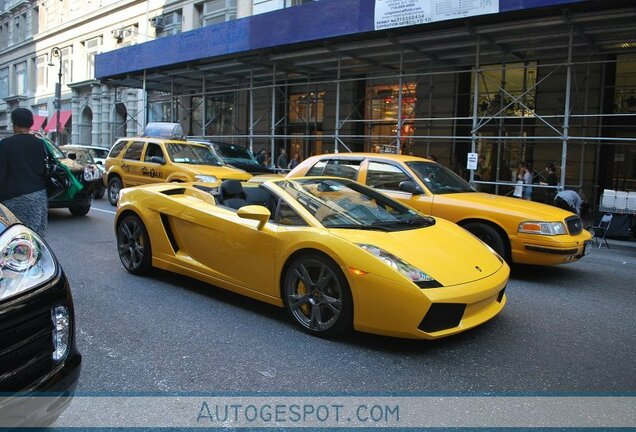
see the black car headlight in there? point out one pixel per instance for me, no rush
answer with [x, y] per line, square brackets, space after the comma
[25, 261]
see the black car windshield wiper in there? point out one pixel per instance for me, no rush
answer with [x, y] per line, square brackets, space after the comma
[371, 227]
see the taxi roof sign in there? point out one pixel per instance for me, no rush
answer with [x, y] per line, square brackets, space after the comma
[164, 130]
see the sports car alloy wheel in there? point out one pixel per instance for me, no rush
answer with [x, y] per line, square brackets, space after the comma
[317, 295]
[133, 245]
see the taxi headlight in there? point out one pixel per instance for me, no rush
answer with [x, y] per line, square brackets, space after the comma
[407, 270]
[25, 261]
[542, 228]
[205, 178]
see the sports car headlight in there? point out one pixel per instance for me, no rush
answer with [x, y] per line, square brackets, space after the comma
[407, 270]
[206, 178]
[543, 228]
[25, 261]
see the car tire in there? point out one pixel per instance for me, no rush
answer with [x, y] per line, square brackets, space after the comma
[490, 236]
[133, 245]
[80, 210]
[100, 190]
[114, 186]
[326, 308]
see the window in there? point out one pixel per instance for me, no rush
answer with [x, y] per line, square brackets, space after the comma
[307, 107]
[385, 176]
[92, 47]
[216, 11]
[41, 67]
[346, 168]
[117, 148]
[3, 37]
[134, 151]
[67, 65]
[167, 24]
[153, 149]
[126, 36]
[4, 82]
[519, 83]
[20, 79]
[286, 215]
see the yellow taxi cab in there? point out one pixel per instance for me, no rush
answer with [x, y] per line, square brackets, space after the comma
[521, 231]
[163, 155]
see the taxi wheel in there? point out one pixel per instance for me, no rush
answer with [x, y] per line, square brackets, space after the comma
[490, 236]
[114, 186]
[133, 245]
[317, 295]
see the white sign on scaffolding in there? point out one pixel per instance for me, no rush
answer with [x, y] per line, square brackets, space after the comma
[400, 13]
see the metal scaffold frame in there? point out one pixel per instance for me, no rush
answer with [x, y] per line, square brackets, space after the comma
[441, 71]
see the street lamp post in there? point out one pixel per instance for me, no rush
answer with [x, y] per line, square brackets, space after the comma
[57, 103]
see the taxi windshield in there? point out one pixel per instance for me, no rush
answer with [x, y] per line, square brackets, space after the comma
[192, 154]
[341, 203]
[439, 179]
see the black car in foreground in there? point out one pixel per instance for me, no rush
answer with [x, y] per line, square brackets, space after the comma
[38, 353]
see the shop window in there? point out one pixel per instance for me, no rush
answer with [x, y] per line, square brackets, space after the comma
[625, 92]
[519, 82]
[385, 176]
[307, 107]
[383, 109]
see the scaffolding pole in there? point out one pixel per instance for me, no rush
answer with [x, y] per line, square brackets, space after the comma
[399, 112]
[473, 134]
[273, 119]
[251, 113]
[566, 109]
[336, 131]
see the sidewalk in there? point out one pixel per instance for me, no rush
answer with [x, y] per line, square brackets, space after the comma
[621, 244]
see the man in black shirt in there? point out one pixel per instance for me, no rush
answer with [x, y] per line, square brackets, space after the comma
[22, 173]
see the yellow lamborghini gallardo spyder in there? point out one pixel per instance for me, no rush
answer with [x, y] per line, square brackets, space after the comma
[337, 254]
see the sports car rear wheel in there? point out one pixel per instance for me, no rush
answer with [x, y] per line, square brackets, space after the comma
[133, 245]
[317, 295]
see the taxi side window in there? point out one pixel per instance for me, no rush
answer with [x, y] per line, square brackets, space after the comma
[342, 168]
[153, 149]
[117, 148]
[134, 151]
[317, 169]
[385, 176]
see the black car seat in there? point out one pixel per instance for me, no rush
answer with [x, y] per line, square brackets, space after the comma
[232, 194]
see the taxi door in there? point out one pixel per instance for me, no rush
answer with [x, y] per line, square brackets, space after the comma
[386, 176]
[131, 164]
[153, 170]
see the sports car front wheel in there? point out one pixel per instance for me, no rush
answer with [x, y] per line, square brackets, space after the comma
[133, 245]
[317, 295]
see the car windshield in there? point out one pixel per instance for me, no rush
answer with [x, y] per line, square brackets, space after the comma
[341, 203]
[192, 154]
[81, 155]
[235, 153]
[439, 179]
[99, 153]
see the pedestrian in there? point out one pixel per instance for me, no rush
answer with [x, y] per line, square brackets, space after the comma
[528, 178]
[551, 180]
[294, 162]
[260, 157]
[281, 162]
[457, 166]
[23, 173]
[569, 200]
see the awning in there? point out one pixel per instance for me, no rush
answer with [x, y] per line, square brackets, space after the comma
[38, 121]
[51, 126]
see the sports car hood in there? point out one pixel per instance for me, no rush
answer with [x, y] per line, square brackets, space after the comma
[482, 202]
[221, 172]
[444, 251]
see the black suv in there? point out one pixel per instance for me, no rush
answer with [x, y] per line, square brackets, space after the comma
[37, 329]
[239, 157]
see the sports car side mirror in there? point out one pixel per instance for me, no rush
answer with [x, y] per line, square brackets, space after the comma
[255, 212]
[409, 186]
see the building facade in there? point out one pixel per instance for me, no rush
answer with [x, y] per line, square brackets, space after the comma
[545, 81]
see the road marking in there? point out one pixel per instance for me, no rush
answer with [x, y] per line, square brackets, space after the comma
[102, 210]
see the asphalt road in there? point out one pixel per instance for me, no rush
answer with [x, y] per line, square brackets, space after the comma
[564, 329]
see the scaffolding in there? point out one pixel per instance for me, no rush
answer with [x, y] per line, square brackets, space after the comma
[529, 89]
